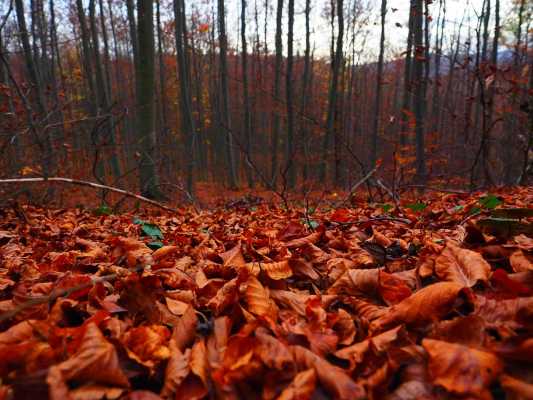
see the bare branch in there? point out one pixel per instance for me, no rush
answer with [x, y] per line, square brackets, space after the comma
[89, 184]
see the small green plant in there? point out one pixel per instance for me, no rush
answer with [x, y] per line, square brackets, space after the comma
[148, 229]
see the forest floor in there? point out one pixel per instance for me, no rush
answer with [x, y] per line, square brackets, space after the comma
[428, 297]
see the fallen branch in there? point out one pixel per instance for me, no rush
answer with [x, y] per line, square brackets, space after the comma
[375, 219]
[432, 189]
[357, 184]
[89, 184]
[38, 300]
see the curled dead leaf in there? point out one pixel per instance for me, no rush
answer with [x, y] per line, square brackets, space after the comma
[460, 369]
[429, 304]
[463, 266]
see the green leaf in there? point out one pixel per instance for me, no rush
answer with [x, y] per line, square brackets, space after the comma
[386, 207]
[474, 210]
[103, 210]
[155, 245]
[490, 201]
[151, 230]
[311, 223]
[418, 206]
[458, 208]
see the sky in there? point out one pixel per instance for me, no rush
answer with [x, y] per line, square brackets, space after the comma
[321, 33]
[367, 38]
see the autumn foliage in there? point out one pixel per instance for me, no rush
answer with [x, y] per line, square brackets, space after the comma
[430, 299]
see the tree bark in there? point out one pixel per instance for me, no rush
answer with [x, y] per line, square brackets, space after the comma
[144, 79]
[304, 93]
[247, 121]
[187, 120]
[418, 98]
[290, 154]
[224, 96]
[329, 136]
[277, 93]
[379, 82]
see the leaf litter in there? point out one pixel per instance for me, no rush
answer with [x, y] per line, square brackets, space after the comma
[422, 302]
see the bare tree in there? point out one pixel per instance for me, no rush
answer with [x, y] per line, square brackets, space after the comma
[224, 95]
[332, 97]
[277, 92]
[289, 154]
[418, 98]
[247, 120]
[187, 120]
[379, 83]
[144, 79]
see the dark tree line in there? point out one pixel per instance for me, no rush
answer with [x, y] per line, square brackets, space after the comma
[162, 95]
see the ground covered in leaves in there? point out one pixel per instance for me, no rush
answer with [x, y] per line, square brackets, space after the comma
[430, 299]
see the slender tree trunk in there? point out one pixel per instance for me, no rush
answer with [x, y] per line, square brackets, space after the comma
[43, 142]
[290, 154]
[247, 121]
[130, 8]
[418, 98]
[492, 93]
[406, 100]
[86, 54]
[224, 95]
[144, 79]
[304, 94]
[379, 82]
[187, 120]
[277, 92]
[332, 98]
[107, 61]
[162, 70]
[439, 37]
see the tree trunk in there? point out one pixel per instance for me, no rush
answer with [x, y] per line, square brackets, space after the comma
[304, 93]
[406, 100]
[277, 92]
[144, 79]
[187, 120]
[332, 97]
[379, 82]
[86, 54]
[418, 98]
[224, 95]
[290, 154]
[43, 142]
[247, 121]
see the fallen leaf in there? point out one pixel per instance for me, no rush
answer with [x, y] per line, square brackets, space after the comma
[460, 369]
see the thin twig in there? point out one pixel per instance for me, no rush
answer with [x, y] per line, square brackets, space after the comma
[375, 219]
[89, 184]
[359, 183]
[433, 189]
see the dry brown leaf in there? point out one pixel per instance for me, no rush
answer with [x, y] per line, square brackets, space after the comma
[334, 379]
[521, 262]
[301, 387]
[277, 270]
[427, 305]
[357, 282]
[460, 369]
[147, 344]
[258, 299]
[462, 266]
[95, 361]
[516, 389]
